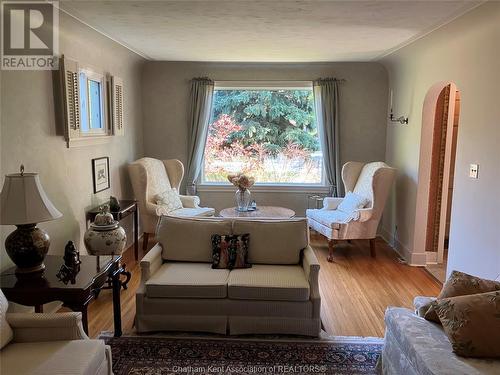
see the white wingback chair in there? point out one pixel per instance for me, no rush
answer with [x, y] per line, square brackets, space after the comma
[150, 177]
[371, 181]
[49, 344]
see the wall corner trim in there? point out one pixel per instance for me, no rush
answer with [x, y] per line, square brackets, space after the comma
[430, 30]
[123, 44]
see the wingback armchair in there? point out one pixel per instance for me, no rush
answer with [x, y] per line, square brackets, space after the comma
[151, 177]
[49, 344]
[371, 181]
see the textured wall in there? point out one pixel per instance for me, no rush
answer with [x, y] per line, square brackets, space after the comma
[464, 52]
[363, 106]
[28, 133]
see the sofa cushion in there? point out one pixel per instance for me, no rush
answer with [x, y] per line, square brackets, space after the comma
[269, 282]
[5, 329]
[461, 284]
[53, 357]
[472, 323]
[188, 280]
[427, 348]
[189, 239]
[421, 304]
[274, 241]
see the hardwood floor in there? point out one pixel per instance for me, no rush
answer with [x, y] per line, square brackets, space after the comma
[439, 270]
[356, 289]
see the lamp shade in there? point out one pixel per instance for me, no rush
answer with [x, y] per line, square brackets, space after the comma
[23, 201]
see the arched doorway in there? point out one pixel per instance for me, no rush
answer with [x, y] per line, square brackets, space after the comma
[440, 116]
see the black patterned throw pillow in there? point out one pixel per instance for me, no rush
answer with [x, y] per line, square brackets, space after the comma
[230, 251]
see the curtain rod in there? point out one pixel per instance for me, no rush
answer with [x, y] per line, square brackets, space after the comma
[277, 80]
[340, 80]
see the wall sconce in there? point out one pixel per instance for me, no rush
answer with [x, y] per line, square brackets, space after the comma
[401, 119]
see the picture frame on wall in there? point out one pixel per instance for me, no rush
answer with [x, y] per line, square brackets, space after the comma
[100, 174]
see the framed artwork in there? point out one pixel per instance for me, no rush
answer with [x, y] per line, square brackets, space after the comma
[100, 174]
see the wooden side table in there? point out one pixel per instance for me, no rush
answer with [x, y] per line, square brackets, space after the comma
[43, 287]
[127, 207]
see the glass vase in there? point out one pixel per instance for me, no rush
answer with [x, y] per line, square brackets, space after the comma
[243, 197]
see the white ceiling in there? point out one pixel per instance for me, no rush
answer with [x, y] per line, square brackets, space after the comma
[265, 31]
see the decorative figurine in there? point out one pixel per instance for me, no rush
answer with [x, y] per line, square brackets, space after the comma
[114, 205]
[71, 265]
[71, 255]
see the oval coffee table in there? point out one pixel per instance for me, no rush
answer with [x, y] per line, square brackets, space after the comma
[262, 212]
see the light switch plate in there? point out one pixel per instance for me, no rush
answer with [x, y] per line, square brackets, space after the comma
[474, 171]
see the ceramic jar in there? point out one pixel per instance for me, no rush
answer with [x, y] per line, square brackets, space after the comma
[105, 236]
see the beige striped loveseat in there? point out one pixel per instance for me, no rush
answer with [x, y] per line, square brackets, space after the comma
[49, 344]
[180, 291]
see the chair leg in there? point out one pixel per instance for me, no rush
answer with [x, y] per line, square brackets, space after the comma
[330, 251]
[372, 248]
[145, 239]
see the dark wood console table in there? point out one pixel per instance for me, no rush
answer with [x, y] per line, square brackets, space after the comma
[43, 287]
[127, 207]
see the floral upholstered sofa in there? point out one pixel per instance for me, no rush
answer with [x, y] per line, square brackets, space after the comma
[415, 346]
[180, 291]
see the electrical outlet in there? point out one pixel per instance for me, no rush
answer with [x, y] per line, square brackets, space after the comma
[474, 171]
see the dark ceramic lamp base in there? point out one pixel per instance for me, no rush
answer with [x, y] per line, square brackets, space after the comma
[27, 247]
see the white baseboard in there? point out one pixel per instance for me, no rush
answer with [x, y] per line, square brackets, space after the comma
[418, 259]
[431, 257]
[412, 259]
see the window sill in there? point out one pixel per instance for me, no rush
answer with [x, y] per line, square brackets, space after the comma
[300, 189]
[89, 141]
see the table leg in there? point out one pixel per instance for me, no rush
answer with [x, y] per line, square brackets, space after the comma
[136, 233]
[127, 274]
[116, 302]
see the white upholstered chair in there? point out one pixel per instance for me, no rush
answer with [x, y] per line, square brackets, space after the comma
[151, 177]
[371, 181]
[49, 344]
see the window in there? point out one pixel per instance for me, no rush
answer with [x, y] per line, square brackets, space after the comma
[92, 103]
[92, 115]
[268, 132]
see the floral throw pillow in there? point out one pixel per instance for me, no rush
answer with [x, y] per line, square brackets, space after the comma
[461, 284]
[169, 200]
[230, 251]
[472, 323]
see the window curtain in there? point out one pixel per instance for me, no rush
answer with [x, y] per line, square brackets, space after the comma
[202, 91]
[326, 97]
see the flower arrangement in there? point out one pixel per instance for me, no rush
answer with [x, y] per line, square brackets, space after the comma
[241, 181]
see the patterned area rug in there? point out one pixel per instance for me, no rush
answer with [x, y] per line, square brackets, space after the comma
[154, 355]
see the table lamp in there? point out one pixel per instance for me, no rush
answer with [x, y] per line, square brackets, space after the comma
[23, 203]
